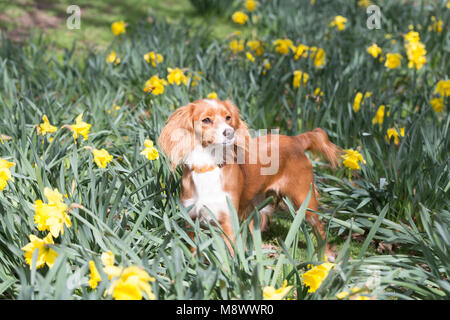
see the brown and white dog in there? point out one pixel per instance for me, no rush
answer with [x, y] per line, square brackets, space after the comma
[221, 160]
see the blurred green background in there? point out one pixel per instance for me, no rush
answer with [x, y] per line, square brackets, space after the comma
[19, 18]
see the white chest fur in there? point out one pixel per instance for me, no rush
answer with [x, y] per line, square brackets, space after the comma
[208, 187]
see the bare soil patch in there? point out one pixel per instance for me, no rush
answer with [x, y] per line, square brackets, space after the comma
[21, 26]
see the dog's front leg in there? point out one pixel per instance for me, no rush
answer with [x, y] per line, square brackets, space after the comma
[228, 236]
[191, 235]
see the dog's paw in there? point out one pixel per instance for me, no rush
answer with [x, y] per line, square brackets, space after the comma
[331, 255]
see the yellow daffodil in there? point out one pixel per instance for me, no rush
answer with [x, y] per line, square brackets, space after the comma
[113, 109]
[195, 79]
[298, 76]
[212, 95]
[360, 99]
[80, 128]
[283, 46]
[155, 85]
[339, 22]
[415, 50]
[107, 258]
[389, 36]
[155, 58]
[364, 3]
[443, 88]
[250, 57]
[112, 58]
[118, 27]
[5, 173]
[94, 276]
[236, 46]
[352, 294]
[270, 293]
[250, 5]
[379, 116]
[46, 255]
[51, 216]
[101, 157]
[131, 285]
[46, 127]
[352, 159]
[437, 104]
[392, 132]
[239, 17]
[266, 65]
[314, 277]
[3, 179]
[176, 76]
[109, 268]
[150, 151]
[256, 46]
[412, 36]
[393, 60]
[416, 54]
[318, 92]
[437, 25]
[301, 51]
[374, 50]
[357, 101]
[319, 57]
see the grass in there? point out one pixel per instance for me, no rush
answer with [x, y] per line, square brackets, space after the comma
[131, 207]
[97, 17]
[281, 224]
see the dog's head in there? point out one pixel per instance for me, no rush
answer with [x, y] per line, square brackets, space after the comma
[206, 123]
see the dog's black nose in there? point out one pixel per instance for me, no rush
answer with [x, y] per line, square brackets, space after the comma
[229, 133]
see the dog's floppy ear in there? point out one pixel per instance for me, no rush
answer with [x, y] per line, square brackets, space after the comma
[240, 127]
[176, 138]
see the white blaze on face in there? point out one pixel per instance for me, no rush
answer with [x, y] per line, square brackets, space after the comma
[219, 137]
[212, 102]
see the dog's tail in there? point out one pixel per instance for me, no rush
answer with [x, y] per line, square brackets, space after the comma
[317, 142]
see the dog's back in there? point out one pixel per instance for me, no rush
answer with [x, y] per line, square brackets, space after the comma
[277, 165]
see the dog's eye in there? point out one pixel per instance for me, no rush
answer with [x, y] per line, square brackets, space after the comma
[228, 118]
[207, 121]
